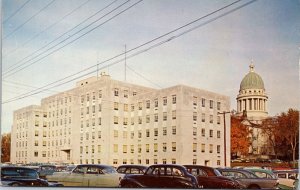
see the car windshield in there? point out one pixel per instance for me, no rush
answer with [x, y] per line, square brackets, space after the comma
[217, 172]
[109, 170]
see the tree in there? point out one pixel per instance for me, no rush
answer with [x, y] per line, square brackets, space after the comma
[289, 129]
[5, 147]
[240, 142]
[270, 128]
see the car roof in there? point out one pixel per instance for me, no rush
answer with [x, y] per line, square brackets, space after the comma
[132, 166]
[17, 167]
[97, 165]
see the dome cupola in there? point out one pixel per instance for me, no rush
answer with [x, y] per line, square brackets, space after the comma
[252, 80]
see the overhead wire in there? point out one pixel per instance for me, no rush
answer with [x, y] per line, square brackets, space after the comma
[133, 55]
[49, 27]
[20, 62]
[18, 10]
[20, 26]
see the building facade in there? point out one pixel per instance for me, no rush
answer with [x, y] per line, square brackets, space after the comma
[112, 122]
[252, 102]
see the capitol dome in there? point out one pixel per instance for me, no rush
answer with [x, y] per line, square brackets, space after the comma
[252, 80]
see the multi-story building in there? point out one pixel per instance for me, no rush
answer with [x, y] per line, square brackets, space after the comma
[112, 122]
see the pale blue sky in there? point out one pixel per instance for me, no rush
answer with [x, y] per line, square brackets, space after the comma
[215, 56]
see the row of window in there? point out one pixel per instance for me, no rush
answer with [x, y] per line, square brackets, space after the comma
[59, 112]
[203, 102]
[60, 101]
[140, 161]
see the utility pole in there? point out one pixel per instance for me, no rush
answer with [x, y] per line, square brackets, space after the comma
[223, 113]
[125, 63]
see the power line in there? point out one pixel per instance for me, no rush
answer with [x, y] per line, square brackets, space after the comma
[20, 63]
[16, 12]
[52, 25]
[128, 57]
[77, 37]
[5, 37]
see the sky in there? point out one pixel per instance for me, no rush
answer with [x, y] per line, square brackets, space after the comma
[191, 42]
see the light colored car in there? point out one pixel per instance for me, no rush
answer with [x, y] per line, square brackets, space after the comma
[88, 175]
[286, 177]
[262, 173]
[249, 179]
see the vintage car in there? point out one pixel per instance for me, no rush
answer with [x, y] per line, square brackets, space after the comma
[22, 176]
[45, 170]
[249, 179]
[262, 173]
[88, 175]
[132, 169]
[286, 177]
[211, 178]
[161, 176]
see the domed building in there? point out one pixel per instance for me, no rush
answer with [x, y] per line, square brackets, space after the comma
[252, 103]
[252, 96]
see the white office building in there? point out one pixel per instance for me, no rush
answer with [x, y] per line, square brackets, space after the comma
[112, 122]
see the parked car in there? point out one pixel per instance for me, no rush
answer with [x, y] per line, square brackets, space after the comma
[287, 177]
[262, 173]
[132, 169]
[88, 175]
[249, 179]
[161, 176]
[211, 178]
[22, 176]
[45, 170]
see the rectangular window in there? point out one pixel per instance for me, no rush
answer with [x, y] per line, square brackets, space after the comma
[210, 148]
[100, 94]
[147, 147]
[116, 92]
[139, 148]
[125, 93]
[203, 102]
[99, 134]
[194, 116]
[195, 101]
[203, 117]
[211, 104]
[164, 147]
[174, 130]
[125, 107]
[173, 146]
[155, 117]
[211, 119]
[132, 135]
[218, 162]
[116, 120]
[173, 99]
[165, 101]
[148, 104]
[99, 121]
[218, 105]
[218, 134]
[156, 103]
[139, 134]
[202, 147]
[155, 132]
[218, 119]
[124, 148]
[147, 118]
[116, 106]
[116, 133]
[211, 133]
[174, 114]
[140, 105]
[218, 149]
[194, 161]
[115, 148]
[87, 110]
[147, 133]
[203, 132]
[132, 148]
[164, 131]
[87, 97]
[132, 120]
[99, 108]
[194, 131]
[173, 161]
[164, 116]
[194, 147]
[155, 147]
[99, 148]
[140, 120]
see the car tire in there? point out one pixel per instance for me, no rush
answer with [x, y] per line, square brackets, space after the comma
[253, 187]
[15, 184]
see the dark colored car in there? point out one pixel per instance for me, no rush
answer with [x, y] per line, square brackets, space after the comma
[22, 176]
[132, 169]
[211, 178]
[161, 176]
[249, 179]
